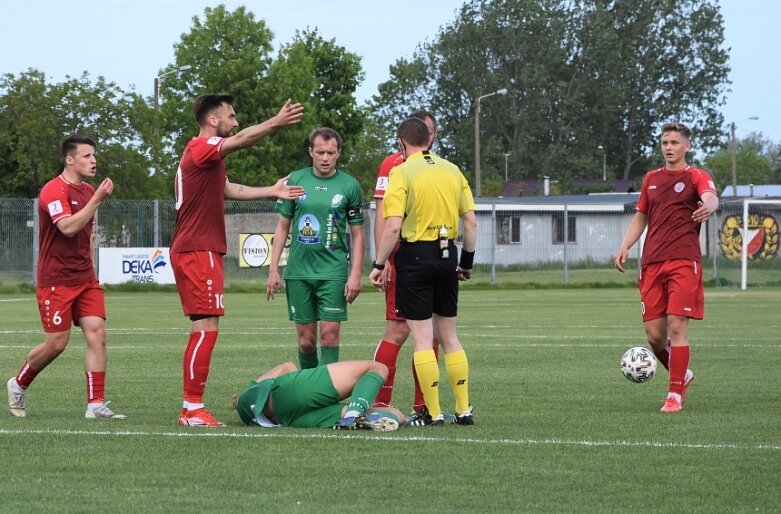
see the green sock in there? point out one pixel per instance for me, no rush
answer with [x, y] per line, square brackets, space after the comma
[329, 354]
[364, 392]
[307, 360]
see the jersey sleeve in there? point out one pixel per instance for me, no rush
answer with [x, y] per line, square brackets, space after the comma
[467, 201]
[394, 203]
[383, 172]
[56, 200]
[205, 152]
[704, 183]
[354, 205]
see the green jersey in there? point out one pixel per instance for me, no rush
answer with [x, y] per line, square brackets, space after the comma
[318, 224]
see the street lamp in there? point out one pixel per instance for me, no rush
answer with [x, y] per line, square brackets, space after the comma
[604, 169]
[505, 166]
[186, 67]
[733, 150]
[502, 91]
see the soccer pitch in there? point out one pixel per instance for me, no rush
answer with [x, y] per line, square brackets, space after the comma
[558, 428]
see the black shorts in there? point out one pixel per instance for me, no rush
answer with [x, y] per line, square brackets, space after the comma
[426, 283]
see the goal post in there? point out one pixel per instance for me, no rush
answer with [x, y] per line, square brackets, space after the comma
[766, 229]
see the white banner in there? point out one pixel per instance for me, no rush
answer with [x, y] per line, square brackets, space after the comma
[140, 265]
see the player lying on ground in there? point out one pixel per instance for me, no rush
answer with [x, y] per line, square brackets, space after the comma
[312, 398]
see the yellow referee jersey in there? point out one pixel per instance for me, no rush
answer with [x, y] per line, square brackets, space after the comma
[427, 191]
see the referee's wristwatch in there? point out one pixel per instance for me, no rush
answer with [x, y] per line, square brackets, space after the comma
[378, 266]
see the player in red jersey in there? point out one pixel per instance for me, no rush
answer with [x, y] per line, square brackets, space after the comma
[68, 290]
[199, 243]
[674, 201]
[396, 329]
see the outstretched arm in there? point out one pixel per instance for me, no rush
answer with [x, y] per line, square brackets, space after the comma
[289, 114]
[278, 190]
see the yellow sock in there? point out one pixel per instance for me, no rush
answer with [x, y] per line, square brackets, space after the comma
[457, 367]
[428, 376]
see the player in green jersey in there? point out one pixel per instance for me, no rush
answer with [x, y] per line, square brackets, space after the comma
[323, 272]
[286, 396]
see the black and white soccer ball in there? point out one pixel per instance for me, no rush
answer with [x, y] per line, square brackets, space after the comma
[638, 364]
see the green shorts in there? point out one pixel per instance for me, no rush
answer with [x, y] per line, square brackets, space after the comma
[309, 301]
[307, 399]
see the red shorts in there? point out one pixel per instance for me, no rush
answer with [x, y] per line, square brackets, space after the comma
[199, 279]
[61, 306]
[672, 287]
[390, 290]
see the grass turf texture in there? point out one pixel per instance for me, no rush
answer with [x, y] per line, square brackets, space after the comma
[558, 427]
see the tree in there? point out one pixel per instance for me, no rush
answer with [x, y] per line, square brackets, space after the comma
[229, 51]
[579, 74]
[36, 116]
[753, 161]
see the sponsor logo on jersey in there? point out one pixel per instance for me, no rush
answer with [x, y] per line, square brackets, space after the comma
[652, 186]
[321, 188]
[213, 140]
[382, 183]
[679, 186]
[55, 208]
[308, 230]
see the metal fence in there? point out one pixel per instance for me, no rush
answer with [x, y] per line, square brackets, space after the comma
[520, 246]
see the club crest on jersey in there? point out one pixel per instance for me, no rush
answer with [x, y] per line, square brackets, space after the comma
[336, 200]
[679, 186]
[308, 230]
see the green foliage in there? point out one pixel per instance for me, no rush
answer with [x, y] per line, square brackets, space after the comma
[579, 75]
[753, 163]
[35, 116]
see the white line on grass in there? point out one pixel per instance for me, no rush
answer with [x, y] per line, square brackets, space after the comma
[285, 434]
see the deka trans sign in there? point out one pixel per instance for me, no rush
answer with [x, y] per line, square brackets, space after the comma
[139, 265]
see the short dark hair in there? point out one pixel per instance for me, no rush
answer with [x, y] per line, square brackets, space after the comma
[327, 133]
[414, 131]
[677, 127]
[422, 114]
[205, 104]
[70, 143]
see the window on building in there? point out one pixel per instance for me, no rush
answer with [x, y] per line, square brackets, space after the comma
[558, 228]
[508, 230]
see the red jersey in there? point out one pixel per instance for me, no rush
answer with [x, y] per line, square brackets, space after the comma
[669, 198]
[200, 198]
[63, 260]
[383, 172]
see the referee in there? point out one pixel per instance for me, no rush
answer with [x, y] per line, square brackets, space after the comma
[425, 198]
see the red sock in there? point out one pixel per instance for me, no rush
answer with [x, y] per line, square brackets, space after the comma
[96, 386]
[679, 363]
[26, 376]
[663, 356]
[387, 352]
[418, 403]
[197, 358]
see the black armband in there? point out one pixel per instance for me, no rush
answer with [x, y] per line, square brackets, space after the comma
[467, 260]
[378, 266]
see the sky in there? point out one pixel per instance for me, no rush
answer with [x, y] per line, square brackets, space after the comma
[130, 41]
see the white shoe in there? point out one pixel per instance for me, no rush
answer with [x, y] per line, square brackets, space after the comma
[15, 400]
[101, 410]
[376, 421]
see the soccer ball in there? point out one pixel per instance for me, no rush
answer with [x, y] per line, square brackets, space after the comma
[638, 364]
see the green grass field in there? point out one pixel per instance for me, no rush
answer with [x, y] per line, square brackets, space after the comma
[558, 427]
